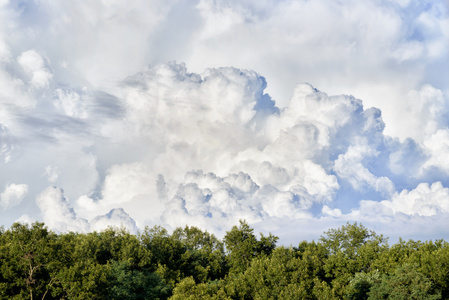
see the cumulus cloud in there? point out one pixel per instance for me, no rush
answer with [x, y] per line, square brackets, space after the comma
[402, 215]
[116, 218]
[57, 213]
[205, 143]
[350, 166]
[424, 200]
[12, 195]
[219, 150]
[285, 161]
[34, 66]
[437, 146]
[26, 219]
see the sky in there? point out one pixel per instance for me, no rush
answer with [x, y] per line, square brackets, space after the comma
[295, 115]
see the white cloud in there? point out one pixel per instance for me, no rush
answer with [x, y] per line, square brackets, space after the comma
[57, 213]
[282, 158]
[67, 116]
[424, 200]
[6, 145]
[331, 212]
[116, 218]
[371, 49]
[60, 216]
[437, 146]
[26, 219]
[408, 206]
[52, 173]
[12, 195]
[260, 164]
[350, 166]
[426, 104]
[34, 66]
[70, 103]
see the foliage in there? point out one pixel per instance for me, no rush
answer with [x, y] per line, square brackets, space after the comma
[242, 246]
[405, 283]
[350, 262]
[187, 252]
[361, 284]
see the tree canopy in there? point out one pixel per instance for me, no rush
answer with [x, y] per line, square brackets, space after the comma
[350, 262]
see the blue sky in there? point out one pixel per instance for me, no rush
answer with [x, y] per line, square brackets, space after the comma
[297, 116]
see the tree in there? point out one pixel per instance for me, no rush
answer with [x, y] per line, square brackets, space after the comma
[187, 252]
[434, 265]
[360, 285]
[269, 277]
[242, 246]
[26, 254]
[406, 283]
[166, 253]
[203, 256]
[351, 249]
[349, 238]
[187, 289]
[128, 283]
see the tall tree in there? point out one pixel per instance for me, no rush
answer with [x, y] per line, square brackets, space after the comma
[242, 246]
[26, 254]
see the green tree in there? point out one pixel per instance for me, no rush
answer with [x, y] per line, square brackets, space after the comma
[89, 262]
[434, 265]
[349, 239]
[360, 285]
[405, 283]
[242, 246]
[25, 261]
[187, 289]
[351, 249]
[203, 256]
[128, 283]
[268, 277]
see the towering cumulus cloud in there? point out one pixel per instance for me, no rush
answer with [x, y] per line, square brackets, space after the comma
[100, 126]
[214, 148]
[209, 149]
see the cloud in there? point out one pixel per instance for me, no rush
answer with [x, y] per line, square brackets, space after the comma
[214, 148]
[34, 66]
[210, 140]
[7, 147]
[424, 200]
[117, 218]
[350, 166]
[418, 213]
[12, 195]
[292, 158]
[426, 104]
[219, 150]
[59, 215]
[26, 219]
[57, 212]
[437, 146]
[52, 173]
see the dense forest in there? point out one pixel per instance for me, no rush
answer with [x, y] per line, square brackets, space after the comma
[351, 262]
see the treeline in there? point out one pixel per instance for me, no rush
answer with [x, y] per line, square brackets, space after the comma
[350, 262]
